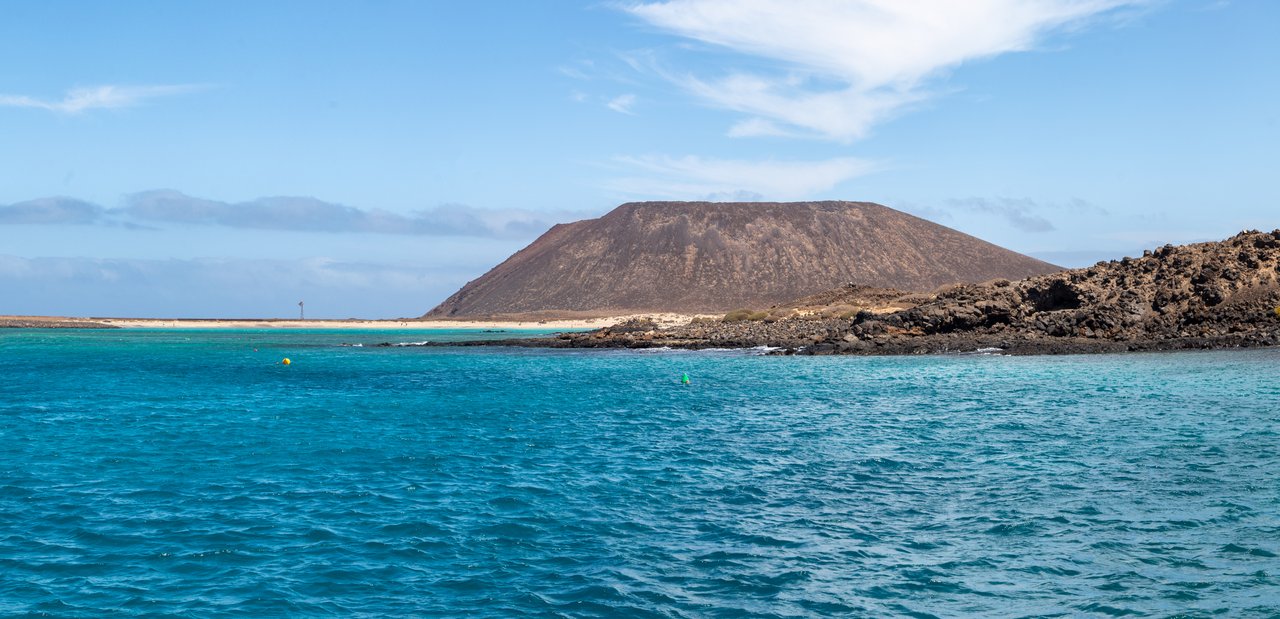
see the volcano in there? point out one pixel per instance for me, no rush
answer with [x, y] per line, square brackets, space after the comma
[694, 257]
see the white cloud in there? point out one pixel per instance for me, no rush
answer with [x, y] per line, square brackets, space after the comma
[622, 104]
[846, 65]
[692, 178]
[78, 100]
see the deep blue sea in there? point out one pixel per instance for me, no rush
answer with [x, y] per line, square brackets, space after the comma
[189, 473]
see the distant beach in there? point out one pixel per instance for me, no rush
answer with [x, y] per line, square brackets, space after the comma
[68, 322]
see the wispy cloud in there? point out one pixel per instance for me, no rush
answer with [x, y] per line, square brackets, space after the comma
[299, 214]
[622, 104]
[580, 70]
[692, 177]
[1025, 213]
[79, 100]
[1018, 212]
[842, 66]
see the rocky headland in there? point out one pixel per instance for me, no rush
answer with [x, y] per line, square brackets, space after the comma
[1222, 294]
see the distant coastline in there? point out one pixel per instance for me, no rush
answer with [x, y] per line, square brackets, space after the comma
[1223, 294]
[68, 322]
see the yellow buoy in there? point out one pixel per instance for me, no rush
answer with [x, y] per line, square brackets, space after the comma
[286, 361]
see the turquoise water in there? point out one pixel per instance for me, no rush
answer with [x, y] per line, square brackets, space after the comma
[167, 472]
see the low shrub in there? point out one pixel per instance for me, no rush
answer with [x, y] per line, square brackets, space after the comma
[737, 315]
[777, 314]
[843, 310]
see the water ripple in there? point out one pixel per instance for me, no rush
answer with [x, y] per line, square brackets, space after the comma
[146, 474]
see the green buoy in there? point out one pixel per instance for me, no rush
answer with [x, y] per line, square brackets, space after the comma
[684, 378]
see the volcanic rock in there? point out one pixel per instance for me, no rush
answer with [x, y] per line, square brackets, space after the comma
[1200, 290]
[1223, 294]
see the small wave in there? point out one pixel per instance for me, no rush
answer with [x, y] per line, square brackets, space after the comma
[422, 343]
[755, 350]
[1238, 549]
[992, 350]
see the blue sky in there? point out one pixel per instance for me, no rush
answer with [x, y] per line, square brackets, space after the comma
[230, 158]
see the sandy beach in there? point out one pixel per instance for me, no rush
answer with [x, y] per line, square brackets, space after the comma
[37, 322]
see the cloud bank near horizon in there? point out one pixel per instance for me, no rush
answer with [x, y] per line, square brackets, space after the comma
[223, 287]
[837, 68]
[285, 213]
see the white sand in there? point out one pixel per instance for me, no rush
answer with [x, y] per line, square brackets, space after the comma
[664, 320]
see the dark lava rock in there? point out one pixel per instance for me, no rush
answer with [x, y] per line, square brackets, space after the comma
[1209, 295]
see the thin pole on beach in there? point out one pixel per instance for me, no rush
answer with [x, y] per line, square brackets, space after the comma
[301, 311]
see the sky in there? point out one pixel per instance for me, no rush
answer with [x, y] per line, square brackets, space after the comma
[228, 159]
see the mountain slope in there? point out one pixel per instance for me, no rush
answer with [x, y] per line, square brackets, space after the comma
[709, 257]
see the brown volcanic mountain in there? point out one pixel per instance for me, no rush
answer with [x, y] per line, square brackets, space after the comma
[711, 257]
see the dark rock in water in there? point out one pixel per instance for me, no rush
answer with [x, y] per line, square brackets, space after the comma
[716, 257]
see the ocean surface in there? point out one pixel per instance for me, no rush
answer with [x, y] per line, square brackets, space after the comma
[189, 473]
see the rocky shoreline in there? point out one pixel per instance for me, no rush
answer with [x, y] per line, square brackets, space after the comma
[1009, 344]
[1203, 296]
